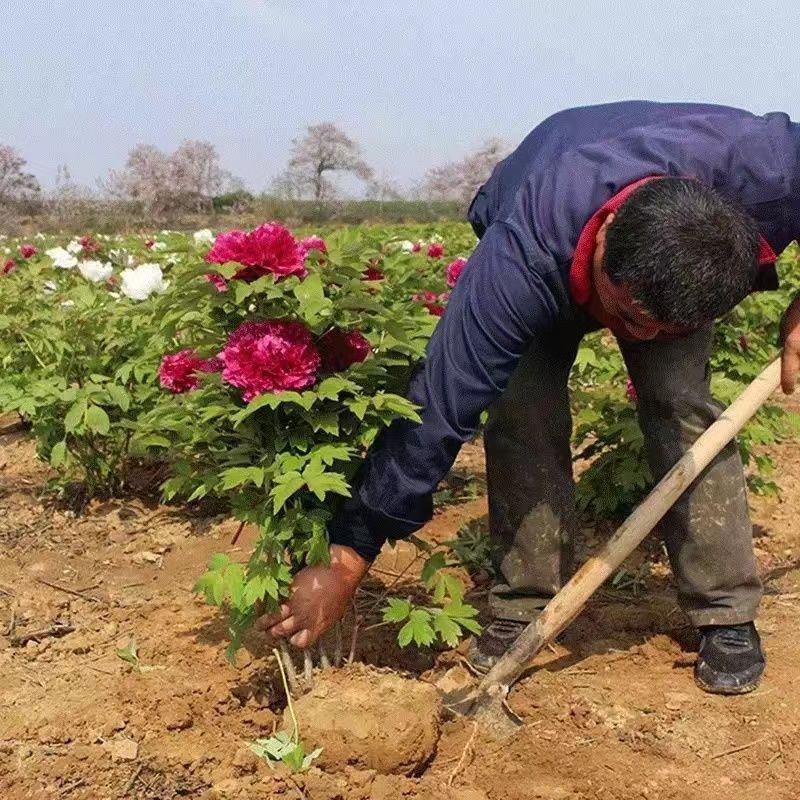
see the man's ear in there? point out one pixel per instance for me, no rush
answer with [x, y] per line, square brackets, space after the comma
[600, 239]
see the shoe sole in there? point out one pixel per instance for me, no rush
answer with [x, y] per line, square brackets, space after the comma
[732, 691]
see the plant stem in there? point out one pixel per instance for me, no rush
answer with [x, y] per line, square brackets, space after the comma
[288, 664]
[290, 705]
[337, 652]
[308, 667]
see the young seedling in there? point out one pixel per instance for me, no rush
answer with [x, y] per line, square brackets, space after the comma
[130, 653]
[285, 747]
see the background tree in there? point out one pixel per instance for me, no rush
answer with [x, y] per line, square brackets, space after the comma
[15, 183]
[187, 179]
[383, 188]
[324, 149]
[459, 180]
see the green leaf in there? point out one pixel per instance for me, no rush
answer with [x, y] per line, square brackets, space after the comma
[97, 420]
[238, 476]
[397, 610]
[129, 653]
[432, 566]
[219, 561]
[285, 486]
[74, 416]
[58, 454]
[332, 387]
[234, 584]
[418, 629]
[118, 396]
[320, 483]
[448, 630]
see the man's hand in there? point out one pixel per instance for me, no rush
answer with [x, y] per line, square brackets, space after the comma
[790, 338]
[319, 598]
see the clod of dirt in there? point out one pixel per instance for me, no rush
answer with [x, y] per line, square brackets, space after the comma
[369, 719]
[124, 750]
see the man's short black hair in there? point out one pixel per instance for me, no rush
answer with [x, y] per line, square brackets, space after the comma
[685, 252]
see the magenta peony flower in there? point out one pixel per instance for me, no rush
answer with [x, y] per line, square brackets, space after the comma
[630, 390]
[454, 269]
[27, 250]
[268, 249]
[417, 247]
[9, 266]
[432, 302]
[219, 282]
[149, 243]
[269, 356]
[435, 250]
[340, 349]
[372, 274]
[178, 371]
[313, 243]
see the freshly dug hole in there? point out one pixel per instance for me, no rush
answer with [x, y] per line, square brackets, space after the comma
[369, 719]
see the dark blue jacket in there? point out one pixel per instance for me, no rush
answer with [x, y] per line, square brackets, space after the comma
[528, 217]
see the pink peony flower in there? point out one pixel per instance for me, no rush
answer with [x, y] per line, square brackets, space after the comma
[269, 356]
[178, 371]
[417, 247]
[313, 243]
[9, 266]
[268, 249]
[433, 302]
[27, 250]
[454, 269]
[90, 246]
[630, 390]
[340, 349]
[219, 282]
[149, 243]
[435, 250]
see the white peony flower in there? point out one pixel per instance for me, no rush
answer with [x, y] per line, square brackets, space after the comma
[159, 246]
[74, 247]
[407, 246]
[50, 287]
[204, 236]
[95, 271]
[142, 281]
[68, 304]
[61, 258]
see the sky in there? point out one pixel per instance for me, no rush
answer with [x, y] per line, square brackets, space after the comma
[416, 82]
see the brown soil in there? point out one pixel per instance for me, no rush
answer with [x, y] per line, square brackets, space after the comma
[610, 712]
[370, 719]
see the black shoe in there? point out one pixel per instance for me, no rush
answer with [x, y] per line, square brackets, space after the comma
[731, 660]
[486, 650]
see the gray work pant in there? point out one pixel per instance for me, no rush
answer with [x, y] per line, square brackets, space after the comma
[708, 532]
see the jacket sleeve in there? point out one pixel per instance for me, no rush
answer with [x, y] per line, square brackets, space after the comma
[499, 303]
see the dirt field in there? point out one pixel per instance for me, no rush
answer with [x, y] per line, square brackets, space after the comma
[611, 712]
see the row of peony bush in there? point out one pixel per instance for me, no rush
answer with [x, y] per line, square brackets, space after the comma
[258, 366]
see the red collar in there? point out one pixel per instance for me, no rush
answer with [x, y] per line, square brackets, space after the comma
[580, 276]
